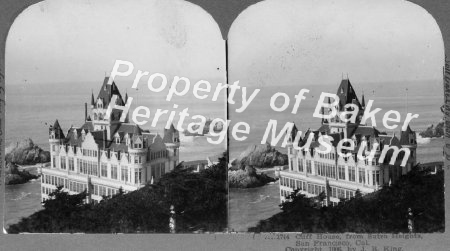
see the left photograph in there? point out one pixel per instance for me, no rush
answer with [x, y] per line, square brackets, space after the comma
[115, 119]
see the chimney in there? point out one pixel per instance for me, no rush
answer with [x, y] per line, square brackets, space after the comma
[85, 112]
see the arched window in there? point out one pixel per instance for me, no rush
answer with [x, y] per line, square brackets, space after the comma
[95, 116]
[100, 116]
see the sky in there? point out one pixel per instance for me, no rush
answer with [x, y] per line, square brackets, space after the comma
[295, 42]
[275, 42]
[75, 41]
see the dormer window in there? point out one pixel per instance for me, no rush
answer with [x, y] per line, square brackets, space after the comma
[117, 140]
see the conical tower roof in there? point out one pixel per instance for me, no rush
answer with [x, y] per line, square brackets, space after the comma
[59, 134]
[107, 91]
[347, 94]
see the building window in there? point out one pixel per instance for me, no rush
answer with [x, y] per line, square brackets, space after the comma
[300, 165]
[137, 176]
[53, 148]
[54, 162]
[71, 164]
[308, 166]
[376, 178]
[341, 172]
[137, 159]
[362, 175]
[104, 170]
[114, 172]
[341, 193]
[124, 174]
[351, 173]
[63, 162]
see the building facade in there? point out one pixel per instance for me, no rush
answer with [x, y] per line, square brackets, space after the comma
[312, 172]
[105, 154]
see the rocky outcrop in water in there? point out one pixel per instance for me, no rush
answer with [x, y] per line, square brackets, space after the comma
[433, 131]
[247, 178]
[14, 176]
[260, 156]
[243, 173]
[25, 152]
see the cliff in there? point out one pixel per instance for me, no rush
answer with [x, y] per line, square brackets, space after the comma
[247, 178]
[25, 152]
[14, 176]
[260, 156]
[434, 131]
[243, 173]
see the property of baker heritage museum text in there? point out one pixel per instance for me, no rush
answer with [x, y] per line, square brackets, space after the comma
[327, 119]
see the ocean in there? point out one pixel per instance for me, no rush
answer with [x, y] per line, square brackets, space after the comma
[31, 108]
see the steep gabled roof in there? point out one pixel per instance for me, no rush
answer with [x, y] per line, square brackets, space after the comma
[107, 91]
[92, 99]
[74, 137]
[169, 134]
[324, 128]
[59, 134]
[294, 132]
[347, 94]
[390, 140]
[88, 126]
[405, 136]
[366, 131]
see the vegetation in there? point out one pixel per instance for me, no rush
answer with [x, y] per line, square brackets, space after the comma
[199, 200]
[385, 211]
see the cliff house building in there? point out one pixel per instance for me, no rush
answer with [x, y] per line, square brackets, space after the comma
[105, 155]
[340, 177]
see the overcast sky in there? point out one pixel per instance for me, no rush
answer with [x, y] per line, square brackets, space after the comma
[273, 42]
[292, 42]
[73, 41]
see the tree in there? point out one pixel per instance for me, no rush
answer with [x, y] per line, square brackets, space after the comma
[384, 211]
[200, 201]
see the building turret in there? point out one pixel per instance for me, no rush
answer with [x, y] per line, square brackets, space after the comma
[363, 102]
[56, 138]
[347, 94]
[92, 100]
[172, 141]
[408, 140]
[100, 106]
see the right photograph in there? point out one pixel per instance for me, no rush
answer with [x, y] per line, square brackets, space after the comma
[345, 121]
